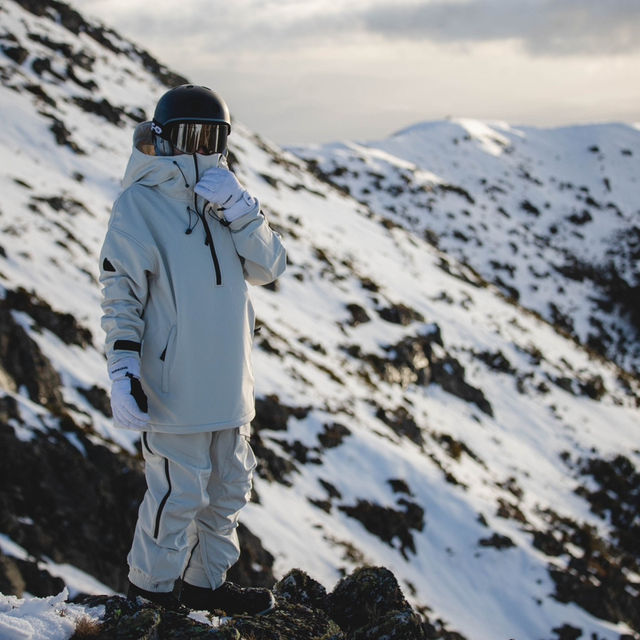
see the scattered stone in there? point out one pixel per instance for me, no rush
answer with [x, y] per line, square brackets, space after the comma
[298, 587]
[368, 594]
[402, 423]
[333, 435]
[400, 314]
[449, 374]
[497, 541]
[388, 523]
[358, 315]
[567, 632]
[273, 415]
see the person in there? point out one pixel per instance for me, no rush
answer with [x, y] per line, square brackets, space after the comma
[183, 240]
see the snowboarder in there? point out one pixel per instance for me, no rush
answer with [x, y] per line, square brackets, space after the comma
[183, 240]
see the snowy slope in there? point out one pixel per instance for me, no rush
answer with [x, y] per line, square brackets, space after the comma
[409, 414]
[550, 216]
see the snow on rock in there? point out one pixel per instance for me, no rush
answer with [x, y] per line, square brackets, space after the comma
[51, 618]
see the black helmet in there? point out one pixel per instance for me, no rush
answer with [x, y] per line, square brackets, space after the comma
[190, 119]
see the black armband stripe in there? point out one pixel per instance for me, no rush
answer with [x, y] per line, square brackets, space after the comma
[126, 345]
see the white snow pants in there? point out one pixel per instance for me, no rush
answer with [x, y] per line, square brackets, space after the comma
[197, 483]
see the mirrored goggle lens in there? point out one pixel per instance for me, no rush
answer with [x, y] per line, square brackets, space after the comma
[191, 137]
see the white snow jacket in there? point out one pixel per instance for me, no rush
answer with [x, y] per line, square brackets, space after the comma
[175, 293]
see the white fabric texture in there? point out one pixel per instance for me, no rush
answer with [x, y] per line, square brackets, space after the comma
[196, 485]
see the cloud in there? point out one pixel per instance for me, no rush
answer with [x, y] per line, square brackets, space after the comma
[541, 27]
[544, 27]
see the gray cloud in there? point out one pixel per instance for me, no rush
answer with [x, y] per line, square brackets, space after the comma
[543, 26]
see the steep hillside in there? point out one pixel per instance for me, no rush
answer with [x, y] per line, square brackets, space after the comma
[551, 217]
[410, 415]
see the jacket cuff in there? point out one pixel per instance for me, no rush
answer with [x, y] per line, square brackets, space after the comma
[254, 214]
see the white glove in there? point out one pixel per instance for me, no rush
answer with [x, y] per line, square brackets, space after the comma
[128, 400]
[220, 186]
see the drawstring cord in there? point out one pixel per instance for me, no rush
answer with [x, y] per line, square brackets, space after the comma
[186, 184]
[190, 228]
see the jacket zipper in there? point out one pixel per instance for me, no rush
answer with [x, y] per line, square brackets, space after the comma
[209, 238]
[212, 249]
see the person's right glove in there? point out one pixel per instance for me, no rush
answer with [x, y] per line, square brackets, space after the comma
[128, 400]
[221, 187]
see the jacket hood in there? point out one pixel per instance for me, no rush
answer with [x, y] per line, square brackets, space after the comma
[174, 175]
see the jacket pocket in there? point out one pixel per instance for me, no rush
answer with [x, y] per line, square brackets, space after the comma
[167, 359]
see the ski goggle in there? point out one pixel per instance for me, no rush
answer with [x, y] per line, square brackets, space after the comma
[195, 137]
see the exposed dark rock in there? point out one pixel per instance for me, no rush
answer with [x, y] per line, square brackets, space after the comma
[22, 360]
[142, 620]
[567, 632]
[255, 566]
[368, 594]
[64, 325]
[548, 543]
[98, 398]
[408, 361]
[400, 314]
[510, 511]
[388, 523]
[298, 587]
[617, 498]
[358, 315]
[39, 92]
[399, 486]
[593, 387]
[402, 423]
[271, 466]
[366, 605]
[450, 188]
[18, 576]
[598, 576]
[103, 108]
[497, 541]
[272, 414]
[18, 54]
[455, 448]
[496, 361]
[301, 452]
[333, 435]
[57, 502]
[63, 135]
[449, 374]
[525, 205]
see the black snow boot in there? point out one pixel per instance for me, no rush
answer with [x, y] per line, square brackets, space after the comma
[165, 599]
[229, 598]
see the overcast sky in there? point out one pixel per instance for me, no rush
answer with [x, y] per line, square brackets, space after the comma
[324, 70]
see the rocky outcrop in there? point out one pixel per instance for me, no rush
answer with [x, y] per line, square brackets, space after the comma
[365, 605]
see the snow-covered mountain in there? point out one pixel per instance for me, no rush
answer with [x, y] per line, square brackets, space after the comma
[551, 216]
[410, 414]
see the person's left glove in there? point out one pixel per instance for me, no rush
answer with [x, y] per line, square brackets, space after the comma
[221, 187]
[128, 400]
